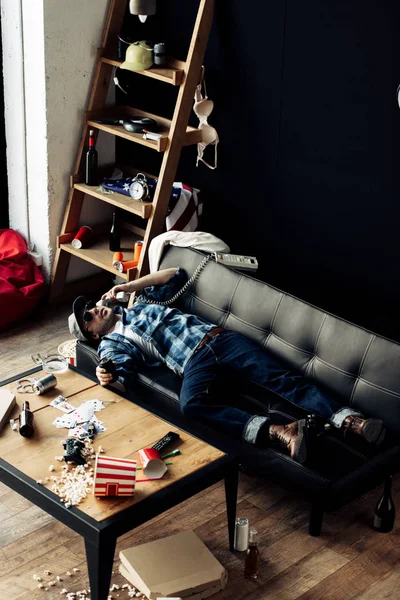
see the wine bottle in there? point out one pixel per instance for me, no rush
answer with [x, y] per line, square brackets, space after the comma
[26, 428]
[385, 511]
[91, 175]
[252, 557]
[115, 234]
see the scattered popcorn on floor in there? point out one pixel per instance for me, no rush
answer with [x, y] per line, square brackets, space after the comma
[47, 572]
[64, 591]
[52, 468]
[40, 586]
[75, 570]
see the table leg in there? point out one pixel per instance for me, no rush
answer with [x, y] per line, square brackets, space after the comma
[100, 558]
[231, 488]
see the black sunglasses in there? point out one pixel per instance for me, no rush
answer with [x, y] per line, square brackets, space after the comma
[87, 316]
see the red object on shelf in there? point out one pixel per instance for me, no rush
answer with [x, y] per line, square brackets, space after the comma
[22, 283]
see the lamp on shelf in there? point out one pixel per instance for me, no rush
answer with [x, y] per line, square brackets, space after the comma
[142, 8]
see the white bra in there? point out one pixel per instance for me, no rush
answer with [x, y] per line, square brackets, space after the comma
[203, 108]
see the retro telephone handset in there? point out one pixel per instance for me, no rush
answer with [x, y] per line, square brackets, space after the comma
[183, 289]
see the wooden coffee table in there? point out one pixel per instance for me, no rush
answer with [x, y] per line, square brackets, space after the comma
[129, 428]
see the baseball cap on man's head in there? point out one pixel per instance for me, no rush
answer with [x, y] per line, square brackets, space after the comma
[75, 320]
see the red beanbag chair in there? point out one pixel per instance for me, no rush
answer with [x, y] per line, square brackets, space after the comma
[21, 281]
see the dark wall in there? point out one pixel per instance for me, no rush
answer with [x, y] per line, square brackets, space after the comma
[305, 106]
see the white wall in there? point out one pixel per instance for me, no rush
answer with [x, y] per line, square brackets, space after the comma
[59, 48]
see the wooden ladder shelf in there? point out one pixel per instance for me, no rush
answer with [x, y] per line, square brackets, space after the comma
[175, 134]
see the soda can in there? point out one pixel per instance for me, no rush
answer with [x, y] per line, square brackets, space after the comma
[117, 258]
[83, 237]
[122, 267]
[137, 250]
[160, 54]
[43, 385]
[241, 534]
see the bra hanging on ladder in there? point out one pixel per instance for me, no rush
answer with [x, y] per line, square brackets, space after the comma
[203, 108]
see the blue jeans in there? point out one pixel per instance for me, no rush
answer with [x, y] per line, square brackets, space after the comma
[235, 351]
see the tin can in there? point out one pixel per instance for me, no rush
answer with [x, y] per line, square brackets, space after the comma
[160, 54]
[137, 249]
[117, 258]
[83, 237]
[122, 267]
[43, 385]
[241, 534]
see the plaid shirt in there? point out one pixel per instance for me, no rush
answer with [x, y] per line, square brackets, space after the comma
[174, 334]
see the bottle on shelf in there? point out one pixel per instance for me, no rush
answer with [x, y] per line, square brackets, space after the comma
[115, 234]
[385, 511]
[26, 428]
[252, 557]
[91, 170]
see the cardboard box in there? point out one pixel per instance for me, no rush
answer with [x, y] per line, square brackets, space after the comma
[176, 566]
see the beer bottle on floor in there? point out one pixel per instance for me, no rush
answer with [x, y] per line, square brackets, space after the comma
[385, 511]
[252, 557]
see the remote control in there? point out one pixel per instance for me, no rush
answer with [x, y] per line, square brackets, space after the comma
[166, 441]
[237, 261]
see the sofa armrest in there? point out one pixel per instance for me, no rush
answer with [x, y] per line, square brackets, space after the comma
[87, 358]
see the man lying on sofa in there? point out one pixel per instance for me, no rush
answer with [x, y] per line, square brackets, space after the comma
[152, 334]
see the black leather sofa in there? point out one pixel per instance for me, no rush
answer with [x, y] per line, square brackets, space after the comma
[358, 367]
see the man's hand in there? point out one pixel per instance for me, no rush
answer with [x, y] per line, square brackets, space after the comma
[103, 377]
[112, 294]
[158, 278]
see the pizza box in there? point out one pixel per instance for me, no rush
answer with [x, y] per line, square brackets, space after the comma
[179, 565]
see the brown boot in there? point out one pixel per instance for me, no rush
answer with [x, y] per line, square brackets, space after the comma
[292, 437]
[371, 430]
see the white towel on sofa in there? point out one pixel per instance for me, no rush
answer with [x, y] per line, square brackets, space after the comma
[207, 242]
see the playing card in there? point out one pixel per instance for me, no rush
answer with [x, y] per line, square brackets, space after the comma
[61, 404]
[98, 425]
[64, 422]
[97, 404]
[77, 432]
[83, 413]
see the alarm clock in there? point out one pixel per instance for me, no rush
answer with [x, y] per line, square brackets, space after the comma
[138, 189]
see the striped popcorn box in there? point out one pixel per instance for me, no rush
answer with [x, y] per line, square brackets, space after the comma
[114, 476]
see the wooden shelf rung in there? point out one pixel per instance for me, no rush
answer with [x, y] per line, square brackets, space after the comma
[168, 74]
[142, 209]
[193, 135]
[99, 254]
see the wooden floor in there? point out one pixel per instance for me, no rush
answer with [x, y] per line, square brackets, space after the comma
[349, 560]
